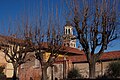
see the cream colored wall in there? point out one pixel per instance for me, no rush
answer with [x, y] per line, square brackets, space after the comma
[84, 68]
[2, 59]
[8, 66]
[9, 70]
[105, 65]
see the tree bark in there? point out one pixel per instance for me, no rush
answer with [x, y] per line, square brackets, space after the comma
[64, 70]
[44, 73]
[92, 70]
[14, 73]
[52, 72]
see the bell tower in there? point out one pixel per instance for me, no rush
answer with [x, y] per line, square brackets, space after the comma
[68, 35]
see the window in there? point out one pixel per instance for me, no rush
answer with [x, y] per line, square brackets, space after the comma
[64, 45]
[74, 45]
[55, 69]
[68, 31]
[22, 66]
[60, 70]
[71, 44]
[37, 64]
[68, 44]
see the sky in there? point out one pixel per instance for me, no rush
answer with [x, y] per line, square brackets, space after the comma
[10, 9]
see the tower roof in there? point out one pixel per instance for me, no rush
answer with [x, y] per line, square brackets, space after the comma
[68, 23]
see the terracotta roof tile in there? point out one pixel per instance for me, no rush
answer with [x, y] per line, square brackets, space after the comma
[68, 50]
[73, 51]
[6, 39]
[110, 55]
[82, 58]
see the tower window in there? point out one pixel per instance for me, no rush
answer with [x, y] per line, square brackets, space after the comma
[71, 44]
[74, 45]
[68, 31]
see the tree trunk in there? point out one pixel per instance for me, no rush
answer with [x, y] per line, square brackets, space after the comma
[92, 70]
[64, 70]
[44, 73]
[52, 72]
[14, 73]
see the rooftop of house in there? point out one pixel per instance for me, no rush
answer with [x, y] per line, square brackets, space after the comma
[74, 54]
[10, 39]
[4, 40]
[68, 23]
[107, 56]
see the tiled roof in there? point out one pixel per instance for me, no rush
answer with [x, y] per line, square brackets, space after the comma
[73, 51]
[107, 56]
[79, 58]
[66, 50]
[110, 55]
[75, 55]
[6, 39]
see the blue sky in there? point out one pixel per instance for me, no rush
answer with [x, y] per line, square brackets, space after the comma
[9, 9]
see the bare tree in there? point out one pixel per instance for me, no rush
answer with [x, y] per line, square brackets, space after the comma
[52, 47]
[46, 39]
[40, 38]
[96, 26]
[13, 50]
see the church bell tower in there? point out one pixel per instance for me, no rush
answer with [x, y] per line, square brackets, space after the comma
[68, 35]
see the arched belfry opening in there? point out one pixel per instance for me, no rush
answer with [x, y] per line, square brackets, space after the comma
[68, 35]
